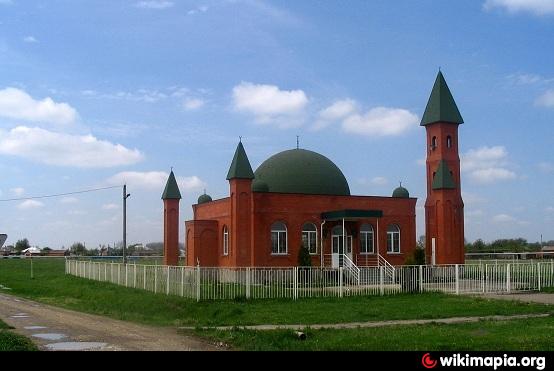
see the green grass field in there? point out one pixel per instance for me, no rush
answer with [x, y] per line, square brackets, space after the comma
[520, 335]
[52, 286]
[13, 342]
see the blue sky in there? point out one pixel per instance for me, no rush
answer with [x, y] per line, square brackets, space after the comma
[97, 93]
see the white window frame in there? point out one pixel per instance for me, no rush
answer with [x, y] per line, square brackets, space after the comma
[370, 232]
[225, 241]
[311, 237]
[279, 233]
[391, 247]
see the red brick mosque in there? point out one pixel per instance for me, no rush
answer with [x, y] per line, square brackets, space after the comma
[300, 198]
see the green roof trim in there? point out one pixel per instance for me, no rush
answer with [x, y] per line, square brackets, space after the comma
[240, 167]
[171, 190]
[303, 172]
[351, 214]
[441, 106]
[443, 179]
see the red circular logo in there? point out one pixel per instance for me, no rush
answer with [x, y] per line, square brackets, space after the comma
[427, 361]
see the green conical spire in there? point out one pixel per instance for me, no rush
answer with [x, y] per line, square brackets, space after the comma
[441, 106]
[240, 167]
[443, 178]
[171, 190]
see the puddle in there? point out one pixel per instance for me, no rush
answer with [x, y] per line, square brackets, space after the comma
[51, 336]
[75, 345]
[34, 327]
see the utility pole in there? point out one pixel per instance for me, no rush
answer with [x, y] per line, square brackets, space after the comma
[125, 196]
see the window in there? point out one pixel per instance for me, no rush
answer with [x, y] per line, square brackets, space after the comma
[278, 238]
[366, 239]
[434, 143]
[225, 240]
[449, 141]
[393, 239]
[309, 237]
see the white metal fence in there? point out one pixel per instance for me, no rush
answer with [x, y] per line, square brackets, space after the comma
[298, 282]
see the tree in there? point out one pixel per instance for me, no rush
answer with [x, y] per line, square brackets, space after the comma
[304, 258]
[21, 245]
[421, 242]
[78, 248]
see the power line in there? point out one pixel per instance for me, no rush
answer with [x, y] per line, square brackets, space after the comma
[59, 194]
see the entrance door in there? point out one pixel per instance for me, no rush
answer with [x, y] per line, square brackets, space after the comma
[338, 248]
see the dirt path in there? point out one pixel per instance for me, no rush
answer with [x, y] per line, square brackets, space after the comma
[53, 328]
[353, 325]
[543, 298]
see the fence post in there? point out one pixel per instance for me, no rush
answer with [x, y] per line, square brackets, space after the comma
[340, 281]
[539, 274]
[198, 283]
[295, 272]
[248, 283]
[182, 281]
[105, 272]
[118, 274]
[420, 278]
[126, 275]
[155, 279]
[381, 280]
[508, 278]
[457, 268]
[144, 276]
[167, 282]
[135, 275]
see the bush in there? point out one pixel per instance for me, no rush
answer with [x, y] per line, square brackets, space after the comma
[304, 258]
[416, 258]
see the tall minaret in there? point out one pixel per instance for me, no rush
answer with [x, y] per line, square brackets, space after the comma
[444, 208]
[240, 178]
[171, 198]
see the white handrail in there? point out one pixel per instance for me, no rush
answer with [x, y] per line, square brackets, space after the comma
[351, 267]
[389, 268]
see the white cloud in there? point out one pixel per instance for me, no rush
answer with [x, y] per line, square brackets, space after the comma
[154, 180]
[503, 218]
[472, 198]
[546, 100]
[381, 121]
[110, 206]
[18, 191]
[60, 149]
[17, 104]
[191, 104]
[69, 200]
[537, 7]
[546, 167]
[336, 111]
[487, 165]
[154, 4]
[549, 209]
[379, 181]
[30, 204]
[528, 79]
[30, 39]
[267, 102]
[200, 9]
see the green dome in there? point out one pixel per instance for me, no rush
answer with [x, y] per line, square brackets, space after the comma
[259, 186]
[204, 198]
[401, 192]
[302, 171]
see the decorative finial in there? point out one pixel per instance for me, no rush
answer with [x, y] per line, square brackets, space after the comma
[240, 139]
[172, 169]
[439, 68]
[204, 190]
[400, 183]
[297, 142]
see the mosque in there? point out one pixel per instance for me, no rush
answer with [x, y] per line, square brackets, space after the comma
[299, 198]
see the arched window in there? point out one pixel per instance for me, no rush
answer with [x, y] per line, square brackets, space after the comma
[434, 143]
[309, 237]
[449, 141]
[278, 238]
[366, 239]
[393, 239]
[225, 240]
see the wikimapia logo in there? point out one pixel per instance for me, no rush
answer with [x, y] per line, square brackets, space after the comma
[457, 360]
